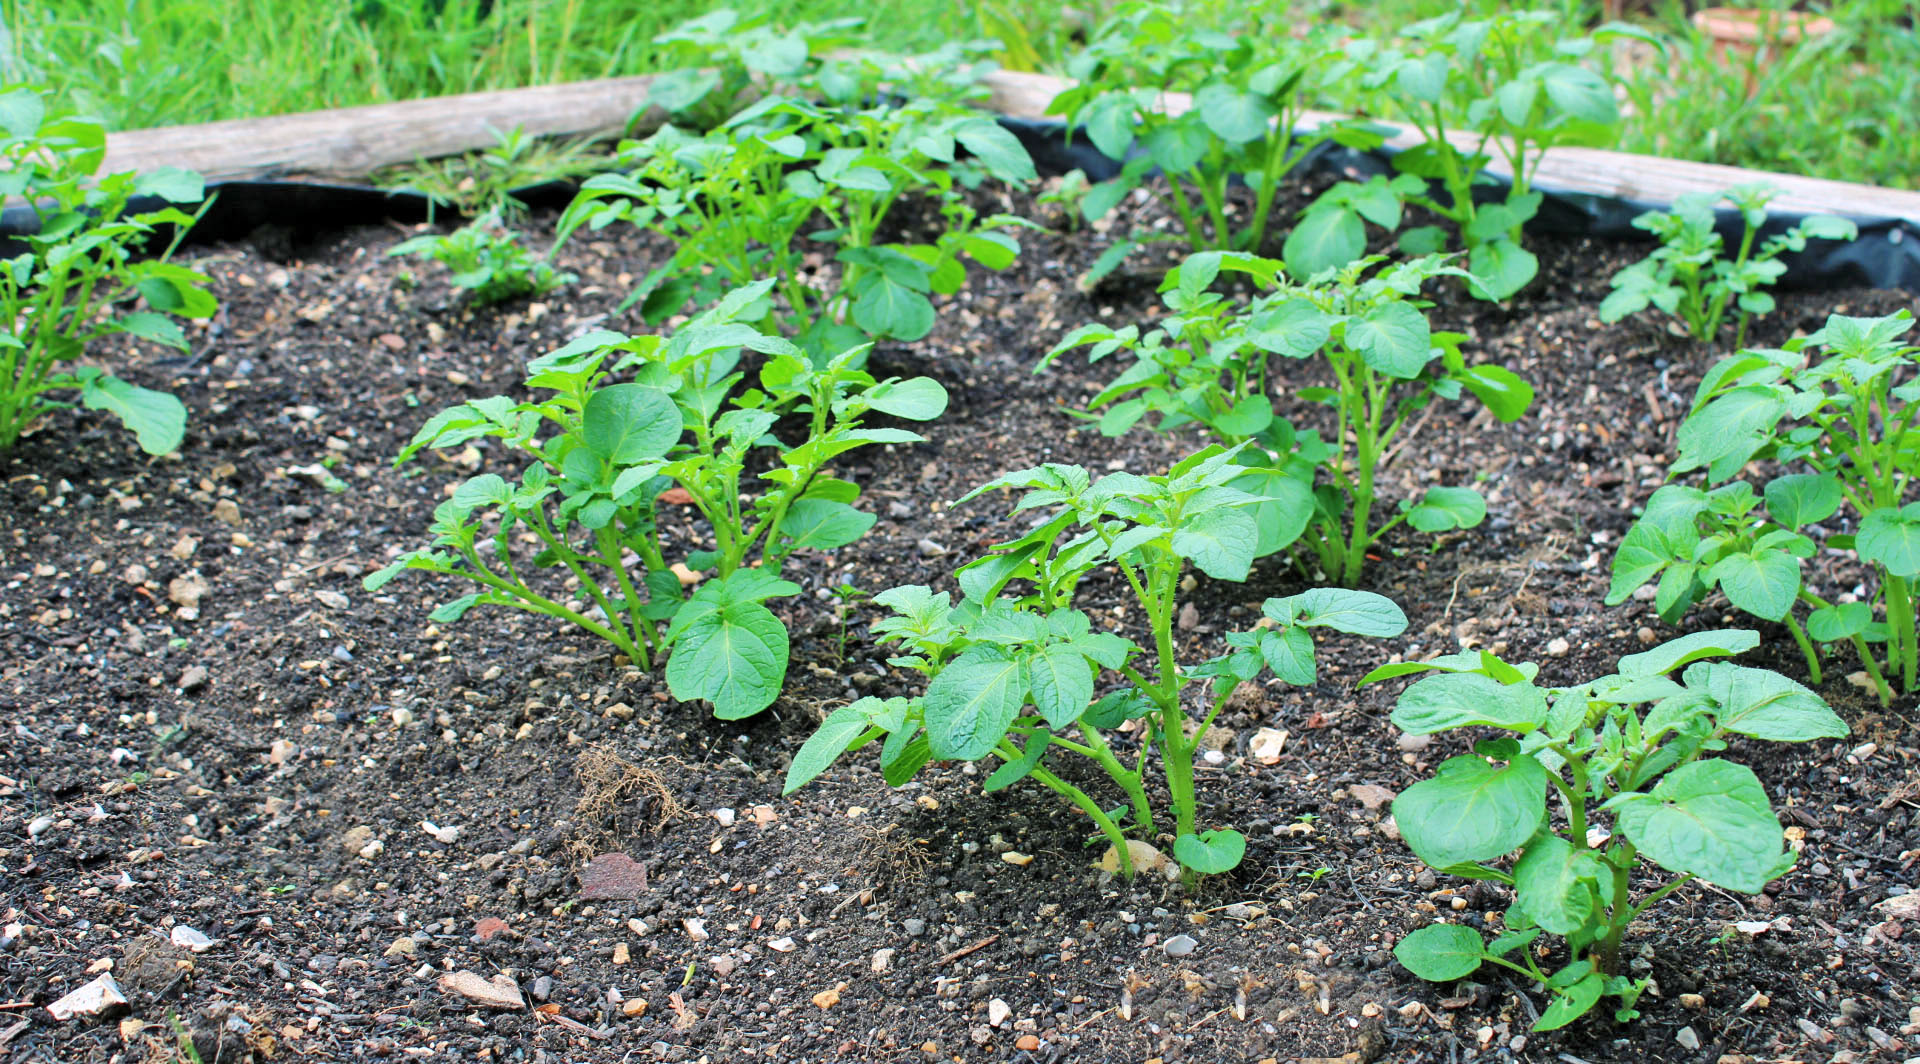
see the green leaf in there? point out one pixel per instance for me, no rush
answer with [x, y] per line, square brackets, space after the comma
[1449, 700]
[1710, 818]
[1891, 539]
[888, 308]
[973, 701]
[1249, 417]
[1284, 515]
[1555, 884]
[1571, 1002]
[1725, 434]
[1210, 852]
[1643, 552]
[1012, 772]
[1503, 391]
[1222, 542]
[21, 112]
[1765, 583]
[1062, 684]
[1178, 146]
[1441, 953]
[1393, 338]
[1357, 612]
[628, 423]
[1500, 269]
[1233, 115]
[1324, 239]
[1840, 621]
[1767, 705]
[1471, 810]
[1687, 649]
[842, 728]
[172, 184]
[819, 524]
[1289, 653]
[733, 655]
[1442, 508]
[1800, 499]
[158, 420]
[997, 148]
[918, 399]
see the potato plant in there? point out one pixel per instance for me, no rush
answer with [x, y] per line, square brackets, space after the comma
[710, 64]
[1837, 407]
[1592, 748]
[1013, 672]
[78, 279]
[1208, 364]
[752, 198]
[487, 261]
[600, 451]
[1688, 275]
[1473, 82]
[1250, 92]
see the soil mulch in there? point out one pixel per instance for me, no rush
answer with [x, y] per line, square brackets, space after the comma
[210, 727]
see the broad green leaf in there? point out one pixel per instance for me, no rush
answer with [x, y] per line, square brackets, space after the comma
[158, 420]
[973, 701]
[1222, 542]
[997, 148]
[1841, 621]
[1890, 538]
[1324, 239]
[1442, 508]
[1289, 653]
[918, 399]
[1503, 391]
[1668, 656]
[628, 423]
[1725, 434]
[1210, 852]
[888, 308]
[839, 731]
[1178, 146]
[1765, 583]
[1116, 709]
[1710, 818]
[1471, 810]
[1284, 515]
[1643, 552]
[1393, 338]
[1441, 953]
[1233, 115]
[1571, 1002]
[1767, 705]
[22, 111]
[1012, 772]
[734, 656]
[1800, 499]
[1357, 612]
[1449, 700]
[1555, 884]
[1249, 417]
[1500, 269]
[172, 184]
[818, 524]
[1061, 680]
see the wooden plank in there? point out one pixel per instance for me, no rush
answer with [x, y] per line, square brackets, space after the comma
[1616, 175]
[352, 142]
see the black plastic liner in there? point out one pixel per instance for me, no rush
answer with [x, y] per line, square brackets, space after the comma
[1886, 254]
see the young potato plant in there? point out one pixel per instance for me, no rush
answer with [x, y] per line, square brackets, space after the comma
[1500, 84]
[1841, 403]
[710, 64]
[1208, 364]
[1687, 277]
[1014, 674]
[1668, 805]
[77, 277]
[739, 201]
[1250, 93]
[601, 453]
[487, 261]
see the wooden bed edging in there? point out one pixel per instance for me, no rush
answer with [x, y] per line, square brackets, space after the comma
[352, 142]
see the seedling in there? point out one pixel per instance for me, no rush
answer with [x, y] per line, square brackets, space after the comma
[1670, 807]
[1687, 277]
[591, 495]
[72, 285]
[487, 260]
[1207, 363]
[1850, 419]
[1015, 668]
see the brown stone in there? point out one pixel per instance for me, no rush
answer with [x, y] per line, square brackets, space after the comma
[613, 877]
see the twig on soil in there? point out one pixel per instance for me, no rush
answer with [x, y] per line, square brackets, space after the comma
[964, 950]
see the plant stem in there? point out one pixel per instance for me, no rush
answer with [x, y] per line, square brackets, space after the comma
[1806, 648]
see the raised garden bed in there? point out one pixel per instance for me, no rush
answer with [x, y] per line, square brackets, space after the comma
[214, 727]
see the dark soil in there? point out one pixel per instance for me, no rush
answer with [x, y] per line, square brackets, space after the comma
[210, 725]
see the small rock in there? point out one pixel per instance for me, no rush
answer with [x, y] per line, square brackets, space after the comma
[763, 815]
[695, 930]
[93, 999]
[355, 838]
[489, 927]
[39, 826]
[998, 1012]
[1687, 1039]
[930, 548]
[227, 512]
[724, 816]
[332, 600]
[613, 877]
[913, 926]
[446, 836]
[403, 946]
[499, 993]
[1189, 617]
[899, 511]
[1267, 744]
[783, 945]
[1145, 857]
[722, 965]
[190, 939]
[402, 716]
[1016, 859]
[686, 576]
[1027, 1043]
[194, 678]
[1696, 1002]
[543, 988]
[882, 960]
[1180, 945]
[183, 548]
[634, 1006]
[1412, 744]
[621, 954]
[1370, 795]
[827, 999]
[1558, 647]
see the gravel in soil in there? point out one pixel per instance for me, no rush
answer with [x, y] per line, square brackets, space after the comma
[287, 818]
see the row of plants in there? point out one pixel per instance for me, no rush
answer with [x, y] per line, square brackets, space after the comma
[745, 407]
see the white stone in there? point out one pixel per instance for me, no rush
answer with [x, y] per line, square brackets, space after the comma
[89, 1000]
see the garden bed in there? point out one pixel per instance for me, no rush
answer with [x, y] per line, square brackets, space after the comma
[216, 727]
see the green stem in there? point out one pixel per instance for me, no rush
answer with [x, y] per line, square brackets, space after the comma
[1111, 830]
[1905, 654]
[1131, 782]
[1806, 648]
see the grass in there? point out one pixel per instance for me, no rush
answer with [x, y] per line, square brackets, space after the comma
[1845, 107]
